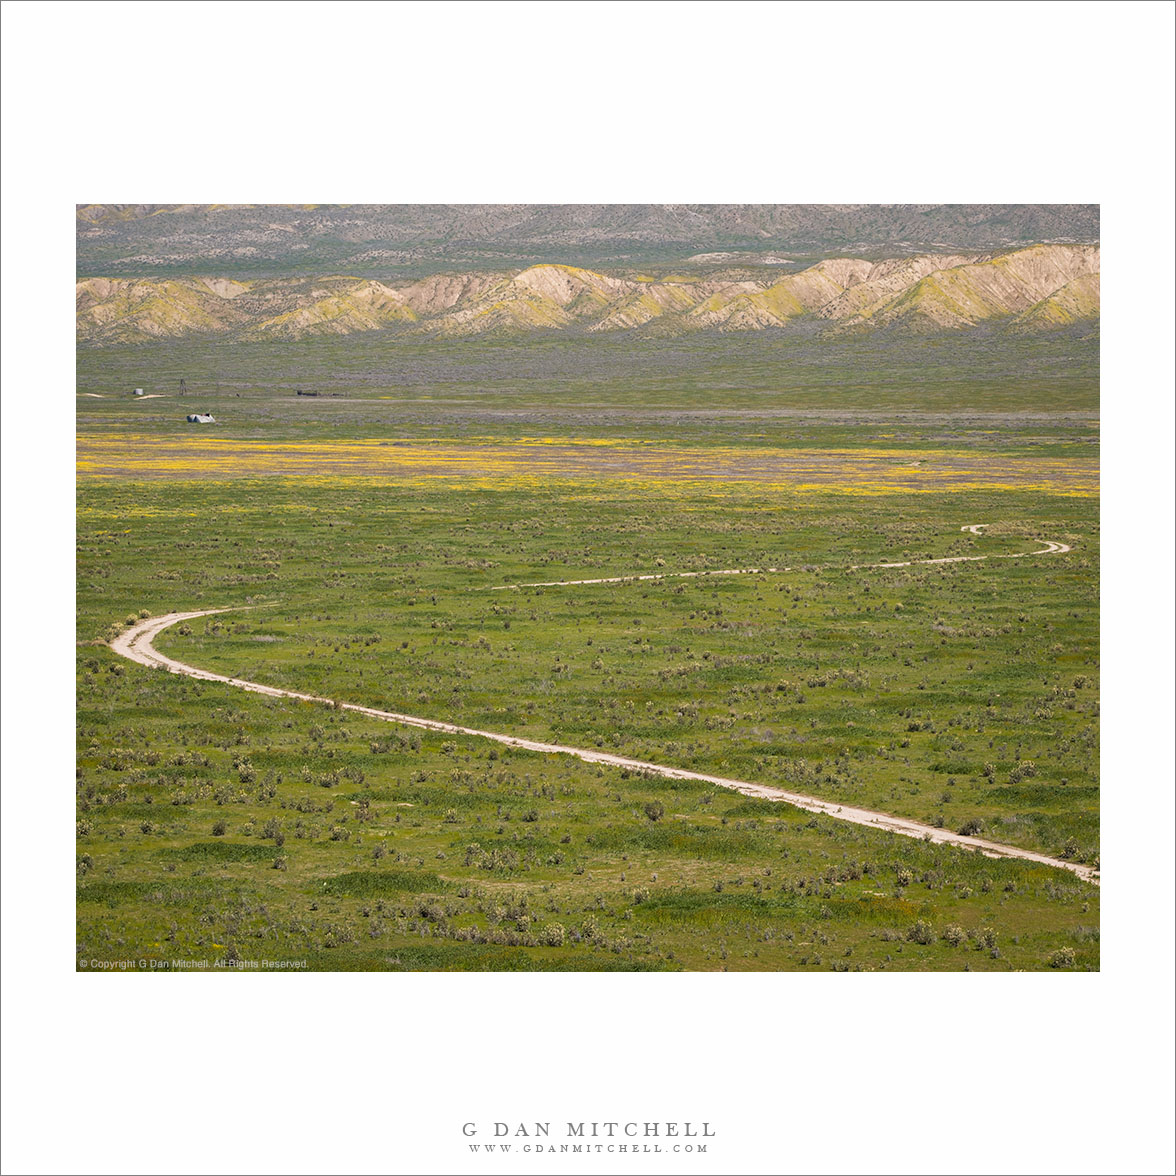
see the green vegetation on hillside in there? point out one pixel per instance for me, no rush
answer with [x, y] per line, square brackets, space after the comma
[416, 240]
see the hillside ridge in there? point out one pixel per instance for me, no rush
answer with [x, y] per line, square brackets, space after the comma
[1035, 288]
[411, 241]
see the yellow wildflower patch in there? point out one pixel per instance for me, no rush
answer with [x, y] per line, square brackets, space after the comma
[544, 460]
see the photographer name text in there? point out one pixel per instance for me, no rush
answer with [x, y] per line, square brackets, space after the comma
[633, 1136]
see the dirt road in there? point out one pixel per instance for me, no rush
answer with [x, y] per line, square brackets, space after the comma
[1050, 548]
[135, 644]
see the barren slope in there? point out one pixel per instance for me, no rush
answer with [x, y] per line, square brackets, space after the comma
[1038, 288]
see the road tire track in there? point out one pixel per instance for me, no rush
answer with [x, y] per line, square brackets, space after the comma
[136, 644]
[1050, 548]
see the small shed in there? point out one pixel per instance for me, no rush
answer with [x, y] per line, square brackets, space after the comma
[138, 391]
[201, 418]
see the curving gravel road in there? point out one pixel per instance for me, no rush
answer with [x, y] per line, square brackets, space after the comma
[1050, 548]
[135, 644]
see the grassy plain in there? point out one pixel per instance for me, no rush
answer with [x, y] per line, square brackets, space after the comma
[776, 389]
[217, 825]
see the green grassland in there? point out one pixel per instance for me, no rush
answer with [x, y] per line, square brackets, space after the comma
[217, 824]
[1034, 397]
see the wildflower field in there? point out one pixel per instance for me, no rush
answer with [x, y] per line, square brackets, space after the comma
[382, 556]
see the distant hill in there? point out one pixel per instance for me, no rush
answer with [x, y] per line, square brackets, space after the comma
[395, 241]
[1037, 288]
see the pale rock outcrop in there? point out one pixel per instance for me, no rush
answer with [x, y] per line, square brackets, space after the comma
[1039, 287]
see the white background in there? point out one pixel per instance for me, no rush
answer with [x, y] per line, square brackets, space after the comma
[586, 102]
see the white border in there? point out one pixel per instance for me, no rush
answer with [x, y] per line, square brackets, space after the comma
[582, 102]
